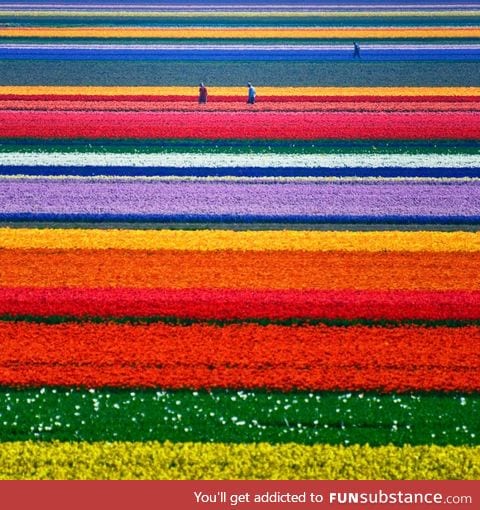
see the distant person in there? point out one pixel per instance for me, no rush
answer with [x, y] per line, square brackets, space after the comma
[356, 50]
[202, 94]
[252, 94]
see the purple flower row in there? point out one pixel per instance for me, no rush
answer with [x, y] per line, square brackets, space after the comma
[215, 198]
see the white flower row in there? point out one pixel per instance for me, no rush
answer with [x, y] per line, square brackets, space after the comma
[218, 160]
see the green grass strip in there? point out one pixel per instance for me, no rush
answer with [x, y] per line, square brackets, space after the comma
[355, 227]
[238, 416]
[270, 73]
[178, 321]
[235, 20]
[243, 146]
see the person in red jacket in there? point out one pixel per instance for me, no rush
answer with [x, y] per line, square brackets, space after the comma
[202, 94]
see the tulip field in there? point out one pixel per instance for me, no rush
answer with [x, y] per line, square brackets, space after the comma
[282, 290]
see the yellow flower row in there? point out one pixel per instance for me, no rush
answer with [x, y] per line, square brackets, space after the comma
[243, 33]
[209, 240]
[242, 14]
[153, 460]
[23, 90]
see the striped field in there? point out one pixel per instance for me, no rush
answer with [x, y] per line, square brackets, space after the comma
[280, 290]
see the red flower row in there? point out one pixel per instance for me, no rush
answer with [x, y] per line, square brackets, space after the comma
[239, 100]
[243, 356]
[241, 304]
[225, 106]
[268, 125]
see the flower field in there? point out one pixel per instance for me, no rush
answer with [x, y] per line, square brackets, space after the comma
[283, 290]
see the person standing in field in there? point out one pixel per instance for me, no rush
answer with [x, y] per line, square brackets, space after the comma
[252, 94]
[202, 94]
[356, 50]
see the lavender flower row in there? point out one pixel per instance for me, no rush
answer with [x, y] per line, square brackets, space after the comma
[269, 199]
[315, 200]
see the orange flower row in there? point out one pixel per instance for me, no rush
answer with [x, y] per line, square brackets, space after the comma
[240, 356]
[235, 269]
